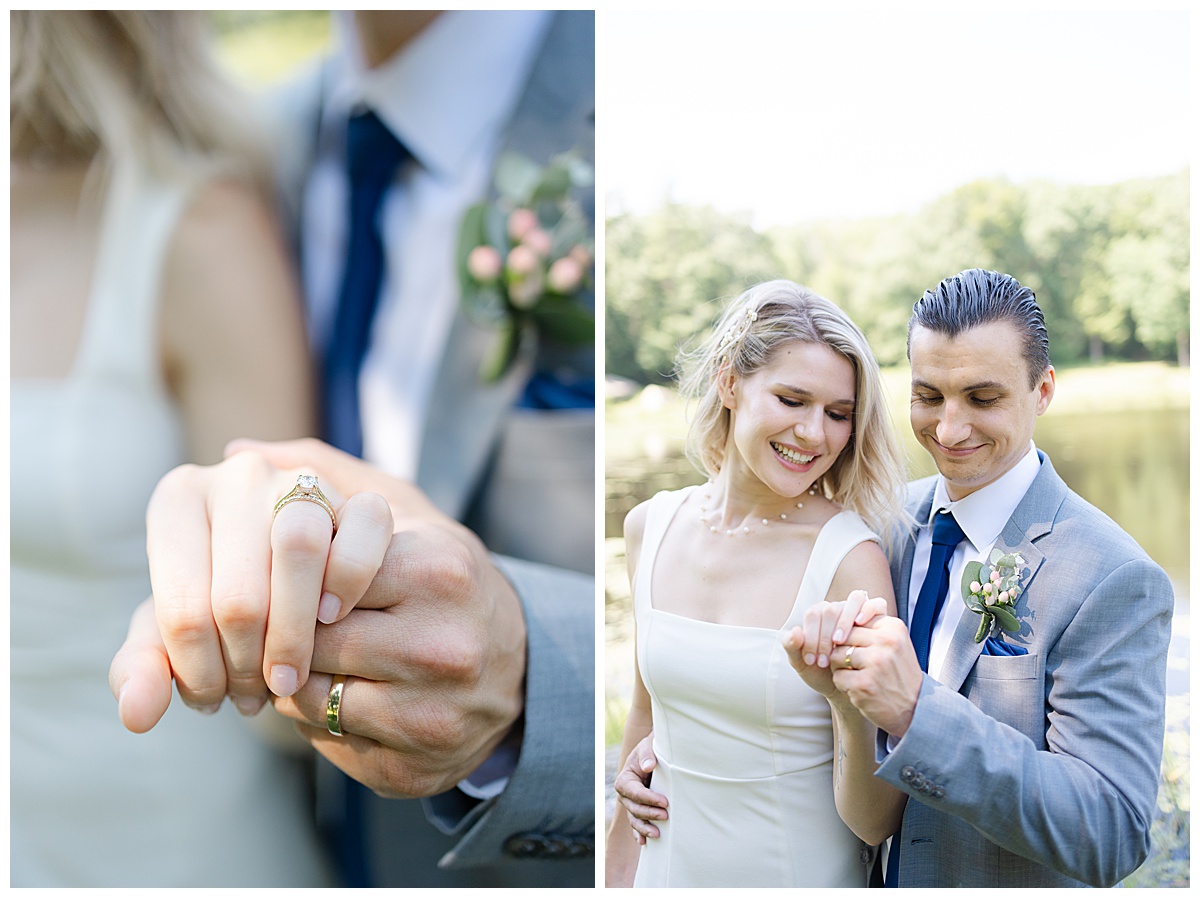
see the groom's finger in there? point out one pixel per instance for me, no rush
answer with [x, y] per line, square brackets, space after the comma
[140, 673]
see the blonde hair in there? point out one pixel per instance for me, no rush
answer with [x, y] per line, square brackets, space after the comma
[868, 476]
[140, 85]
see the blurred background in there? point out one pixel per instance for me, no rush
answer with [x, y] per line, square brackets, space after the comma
[262, 47]
[868, 156]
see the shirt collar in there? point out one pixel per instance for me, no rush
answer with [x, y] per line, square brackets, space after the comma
[450, 90]
[983, 514]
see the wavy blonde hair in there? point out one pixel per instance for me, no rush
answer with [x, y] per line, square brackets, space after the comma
[868, 477]
[106, 85]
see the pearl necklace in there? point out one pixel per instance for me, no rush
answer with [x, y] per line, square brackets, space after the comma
[745, 527]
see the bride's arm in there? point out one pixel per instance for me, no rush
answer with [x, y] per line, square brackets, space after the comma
[868, 805]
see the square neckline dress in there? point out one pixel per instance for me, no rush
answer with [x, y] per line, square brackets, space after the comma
[744, 746]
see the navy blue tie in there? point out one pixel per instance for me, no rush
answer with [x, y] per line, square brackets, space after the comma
[946, 536]
[373, 155]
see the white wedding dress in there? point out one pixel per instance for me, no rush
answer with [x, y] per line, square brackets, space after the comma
[199, 800]
[744, 747]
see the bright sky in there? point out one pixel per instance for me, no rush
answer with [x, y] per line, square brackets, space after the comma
[796, 116]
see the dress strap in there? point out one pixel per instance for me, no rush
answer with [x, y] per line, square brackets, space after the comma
[838, 536]
[121, 332]
[659, 514]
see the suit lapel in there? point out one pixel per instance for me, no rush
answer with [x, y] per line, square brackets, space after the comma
[1032, 519]
[554, 114]
[918, 505]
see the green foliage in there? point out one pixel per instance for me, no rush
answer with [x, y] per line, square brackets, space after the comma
[1109, 264]
[665, 273]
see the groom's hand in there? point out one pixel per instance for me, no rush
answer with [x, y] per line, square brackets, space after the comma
[434, 655]
[632, 784]
[884, 678]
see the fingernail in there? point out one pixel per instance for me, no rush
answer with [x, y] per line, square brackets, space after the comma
[838, 635]
[329, 608]
[283, 680]
[121, 692]
[809, 659]
[248, 705]
[208, 709]
[822, 661]
[646, 765]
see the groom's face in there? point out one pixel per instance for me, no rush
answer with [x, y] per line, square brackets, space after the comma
[972, 407]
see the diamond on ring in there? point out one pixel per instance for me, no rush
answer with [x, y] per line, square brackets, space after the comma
[306, 489]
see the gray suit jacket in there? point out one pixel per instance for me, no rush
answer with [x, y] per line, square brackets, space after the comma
[1041, 769]
[524, 480]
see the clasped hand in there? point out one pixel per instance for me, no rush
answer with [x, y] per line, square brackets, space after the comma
[854, 652]
[428, 631]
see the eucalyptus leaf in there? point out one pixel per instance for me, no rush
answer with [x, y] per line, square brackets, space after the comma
[1005, 618]
[564, 321]
[971, 573]
[553, 185]
[517, 177]
[1006, 561]
[470, 235]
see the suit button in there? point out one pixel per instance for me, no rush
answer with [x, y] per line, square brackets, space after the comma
[907, 774]
[580, 848]
[939, 792]
[527, 845]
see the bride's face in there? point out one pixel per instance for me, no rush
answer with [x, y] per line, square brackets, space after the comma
[792, 418]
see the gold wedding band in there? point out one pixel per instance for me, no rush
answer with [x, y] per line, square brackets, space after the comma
[306, 490]
[333, 705]
[849, 652]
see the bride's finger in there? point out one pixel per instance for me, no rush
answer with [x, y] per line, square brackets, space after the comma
[240, 514]
[300, 541]
[820, 620]
[848, 615]
[364, 533]
[179, 549]
[140, 673]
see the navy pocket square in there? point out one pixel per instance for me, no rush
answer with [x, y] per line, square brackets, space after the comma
[994, 646]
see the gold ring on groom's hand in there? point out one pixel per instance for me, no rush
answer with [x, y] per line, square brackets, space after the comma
[846, 661]
[333, 705]
[306, 490]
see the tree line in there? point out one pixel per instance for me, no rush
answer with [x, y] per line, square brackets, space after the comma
[1109, 264]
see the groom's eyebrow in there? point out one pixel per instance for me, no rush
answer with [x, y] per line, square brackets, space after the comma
[917, 383]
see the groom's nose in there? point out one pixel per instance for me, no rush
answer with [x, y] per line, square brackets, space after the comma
[954, 425]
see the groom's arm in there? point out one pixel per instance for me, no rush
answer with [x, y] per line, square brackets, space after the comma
[1083, 806]
[546, 809]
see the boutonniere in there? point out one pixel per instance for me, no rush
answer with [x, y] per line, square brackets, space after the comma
[525, 259]
[991, 590]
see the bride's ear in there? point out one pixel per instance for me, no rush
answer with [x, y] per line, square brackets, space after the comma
[727, 387]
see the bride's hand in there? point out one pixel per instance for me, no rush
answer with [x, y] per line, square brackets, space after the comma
[222, 567]
[827, 626]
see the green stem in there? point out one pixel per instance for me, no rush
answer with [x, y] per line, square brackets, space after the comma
[984, 622]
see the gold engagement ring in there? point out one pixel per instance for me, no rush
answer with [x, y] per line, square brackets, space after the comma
[306, 490]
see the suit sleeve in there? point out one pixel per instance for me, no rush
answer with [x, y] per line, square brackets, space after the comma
[547, 809]
[1083, 802]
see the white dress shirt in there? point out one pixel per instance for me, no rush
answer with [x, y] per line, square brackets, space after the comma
[446, 96]
[981, 515]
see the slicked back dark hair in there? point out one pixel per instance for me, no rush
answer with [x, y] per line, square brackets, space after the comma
[975, 297]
